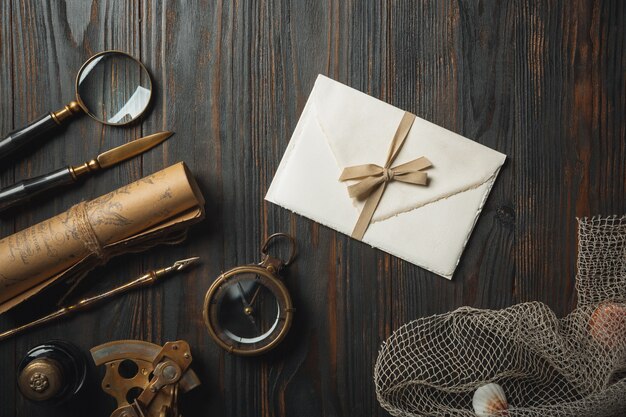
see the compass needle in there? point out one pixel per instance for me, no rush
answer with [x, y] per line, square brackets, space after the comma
[255, 294]
[242, 295]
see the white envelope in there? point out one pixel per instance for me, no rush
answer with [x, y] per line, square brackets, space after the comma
[428, 226]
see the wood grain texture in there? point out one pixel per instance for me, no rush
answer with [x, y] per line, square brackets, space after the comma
[7, 350]
[542, 81]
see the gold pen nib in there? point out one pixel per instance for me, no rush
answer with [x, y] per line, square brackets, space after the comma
[185, 263]
[177, 266]
[121, 153]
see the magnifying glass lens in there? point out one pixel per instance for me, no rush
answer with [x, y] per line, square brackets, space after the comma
[113, 88]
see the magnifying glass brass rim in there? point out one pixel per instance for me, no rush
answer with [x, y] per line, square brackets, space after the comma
[212, 303]
[82, 104]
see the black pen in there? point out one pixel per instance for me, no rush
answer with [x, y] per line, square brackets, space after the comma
[23, 191]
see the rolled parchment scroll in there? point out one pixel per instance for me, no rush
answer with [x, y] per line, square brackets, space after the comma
[156, 209]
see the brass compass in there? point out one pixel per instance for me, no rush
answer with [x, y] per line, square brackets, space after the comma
[248, 309]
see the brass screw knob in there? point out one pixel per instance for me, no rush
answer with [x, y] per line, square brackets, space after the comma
[41, 379]
[39, 382]
[170, 373]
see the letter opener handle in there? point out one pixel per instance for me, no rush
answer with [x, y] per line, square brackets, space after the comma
[25, 190]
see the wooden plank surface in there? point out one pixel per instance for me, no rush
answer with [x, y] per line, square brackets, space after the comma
[542, 81]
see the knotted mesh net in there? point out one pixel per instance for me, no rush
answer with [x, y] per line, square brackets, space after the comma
[546, 366]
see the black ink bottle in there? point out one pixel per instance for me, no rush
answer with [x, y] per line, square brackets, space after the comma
[52, 373]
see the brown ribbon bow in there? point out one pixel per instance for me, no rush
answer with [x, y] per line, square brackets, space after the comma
[375, 178]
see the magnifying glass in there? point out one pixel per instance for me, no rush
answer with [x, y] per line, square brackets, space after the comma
[112, 87]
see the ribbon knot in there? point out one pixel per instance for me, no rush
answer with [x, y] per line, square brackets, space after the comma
[388, 174]
[374, 178]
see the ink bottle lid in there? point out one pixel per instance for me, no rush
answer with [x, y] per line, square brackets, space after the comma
[52, 373]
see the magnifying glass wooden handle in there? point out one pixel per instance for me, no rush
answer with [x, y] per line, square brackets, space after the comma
[36, 131]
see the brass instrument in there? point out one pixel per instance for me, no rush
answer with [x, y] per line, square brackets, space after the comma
[145, 379]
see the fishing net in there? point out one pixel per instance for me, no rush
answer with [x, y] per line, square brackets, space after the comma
[573, 366]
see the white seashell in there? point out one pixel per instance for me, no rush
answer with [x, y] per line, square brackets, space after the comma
[489, 400]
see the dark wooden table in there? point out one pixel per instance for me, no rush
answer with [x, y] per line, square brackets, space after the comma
[541, 81]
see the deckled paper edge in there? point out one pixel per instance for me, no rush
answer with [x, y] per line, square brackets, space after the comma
[478, 213]
[290, 146]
